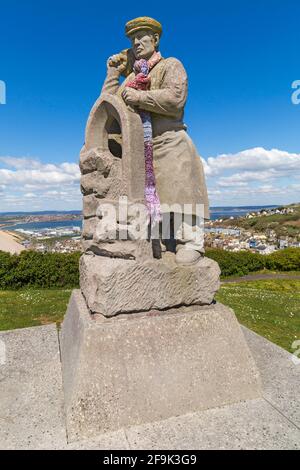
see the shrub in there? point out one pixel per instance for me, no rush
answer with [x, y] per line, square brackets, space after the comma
[284, 260]
[243, 262]
[236, 263]
[34, 269]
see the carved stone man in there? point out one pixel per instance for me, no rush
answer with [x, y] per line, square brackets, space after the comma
[178, 169]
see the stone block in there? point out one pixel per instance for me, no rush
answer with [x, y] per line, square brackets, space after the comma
[88, 160]
[95, 182]
[113, 286]
[96, 159]
[90, 205]
[140, 368]
[89, 227]
[117, 188]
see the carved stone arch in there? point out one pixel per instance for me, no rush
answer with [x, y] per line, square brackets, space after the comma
[107, 109]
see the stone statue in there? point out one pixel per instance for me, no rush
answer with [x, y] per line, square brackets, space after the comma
[143, 338]
[137, 151]
[177, 167]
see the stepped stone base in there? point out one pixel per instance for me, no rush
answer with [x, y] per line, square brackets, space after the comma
[114, 286]
[144, 367]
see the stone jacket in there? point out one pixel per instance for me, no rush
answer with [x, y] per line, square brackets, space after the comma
[178, 168]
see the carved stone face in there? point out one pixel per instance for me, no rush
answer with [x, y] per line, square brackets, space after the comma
[144, 43]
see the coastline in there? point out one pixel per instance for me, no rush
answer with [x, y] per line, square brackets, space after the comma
[9, 242]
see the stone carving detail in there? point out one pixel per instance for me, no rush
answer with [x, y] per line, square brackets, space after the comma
[112, 167]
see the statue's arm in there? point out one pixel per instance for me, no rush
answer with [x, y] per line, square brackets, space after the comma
[111, 84]
[171, 96]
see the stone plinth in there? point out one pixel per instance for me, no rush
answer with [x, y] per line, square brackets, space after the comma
[144, 367]
[114, 286]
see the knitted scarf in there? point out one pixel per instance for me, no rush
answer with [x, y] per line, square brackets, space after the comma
[141, 81]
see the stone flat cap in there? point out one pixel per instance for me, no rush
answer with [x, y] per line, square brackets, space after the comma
[143, 22]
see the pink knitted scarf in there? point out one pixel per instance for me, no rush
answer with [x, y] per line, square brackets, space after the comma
[141, 81]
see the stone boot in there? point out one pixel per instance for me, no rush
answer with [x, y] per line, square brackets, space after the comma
[187, 256]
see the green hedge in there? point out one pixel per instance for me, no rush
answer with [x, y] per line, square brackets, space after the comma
[284, 260]
[33, 269]
[236, 263]
[243, 262]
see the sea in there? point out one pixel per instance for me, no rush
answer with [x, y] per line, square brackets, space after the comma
[215, 213]
[239, 211]
[39, 226]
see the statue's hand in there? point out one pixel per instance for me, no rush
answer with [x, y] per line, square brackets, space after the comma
[117, 61]
[131, 96]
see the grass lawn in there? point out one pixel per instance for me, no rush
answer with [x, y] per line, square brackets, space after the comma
[32, 307]
[270, 307]
[265, 272]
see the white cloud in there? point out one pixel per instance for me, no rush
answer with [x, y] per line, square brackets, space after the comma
[228, 181]
[255, 176]
[252, 160]
[20, 163]
[34, 172]
[24, 180]
[241, 179]
[251, 177]
[28, 171]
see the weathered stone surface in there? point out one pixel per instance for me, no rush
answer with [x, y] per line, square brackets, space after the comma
[117, 249]
[116, 168]
[112, 286]
[140, 250]
[280, 375]
[31, 409]
[107, 108]
[106, 178]
[96, 159]
[89, 227]
[31, 412]
[90, 205]
[142, 368]
[95, 182]
[88, 161]
[117, 188]
[248, 425]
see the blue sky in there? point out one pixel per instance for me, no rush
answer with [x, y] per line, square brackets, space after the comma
[241, 58]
